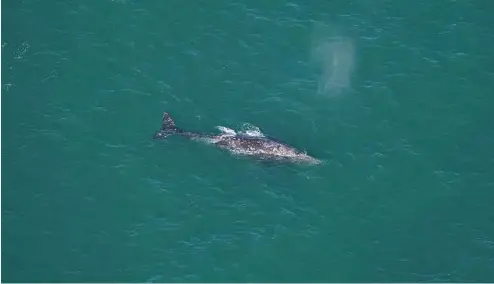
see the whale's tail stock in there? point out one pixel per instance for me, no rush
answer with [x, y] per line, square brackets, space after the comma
[168, 127]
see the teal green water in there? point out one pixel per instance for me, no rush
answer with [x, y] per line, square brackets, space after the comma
[395, 96]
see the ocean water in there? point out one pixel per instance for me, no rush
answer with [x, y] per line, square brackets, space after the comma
[396, 97]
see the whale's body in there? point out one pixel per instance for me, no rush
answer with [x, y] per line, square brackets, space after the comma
[253, 144]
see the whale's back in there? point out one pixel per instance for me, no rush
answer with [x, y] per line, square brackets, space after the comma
[252, 145]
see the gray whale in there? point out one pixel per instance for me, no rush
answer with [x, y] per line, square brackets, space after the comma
[254, 145]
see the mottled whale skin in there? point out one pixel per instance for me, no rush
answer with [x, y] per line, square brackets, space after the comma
[247, 144]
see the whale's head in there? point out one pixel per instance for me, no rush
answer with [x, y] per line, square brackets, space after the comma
[304, 158]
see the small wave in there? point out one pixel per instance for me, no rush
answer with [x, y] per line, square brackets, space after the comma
[226, 130]
[251, 130]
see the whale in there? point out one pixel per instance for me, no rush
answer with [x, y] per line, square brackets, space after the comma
[251, 143]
